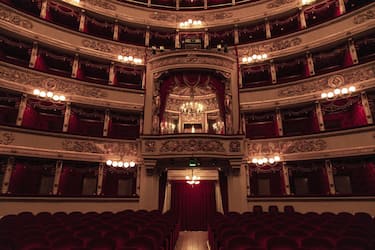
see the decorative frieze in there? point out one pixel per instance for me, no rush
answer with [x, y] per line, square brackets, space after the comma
[114, 49]
[15, 19]
[269, 47]
[364, 17]
[100, 3]
[192, 59]
[235, 146]
[114, 148]
[286, 147]
[348, 77]
[192, 145]
[209, 17]
[278, 3]
[36, 80]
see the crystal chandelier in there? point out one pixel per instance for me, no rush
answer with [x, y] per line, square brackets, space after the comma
[193, 179]
[192, 107]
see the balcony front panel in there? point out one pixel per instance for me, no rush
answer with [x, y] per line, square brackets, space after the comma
[26, 80]
[16, 141]
[353, 142]
[37, 29]
[330, 32]
[361, 76]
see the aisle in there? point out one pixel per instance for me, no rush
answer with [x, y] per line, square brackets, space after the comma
[196, 240]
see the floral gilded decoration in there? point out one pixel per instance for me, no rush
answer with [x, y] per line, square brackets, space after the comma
[286, 147]
[82, 146]
[235, 146]
[193, 59]
[122, 149]
[7, 138]
[192, 145]
[111, 48]
[101, 3]
[34, 79]
[350, 77]
[15, 19]
[270, 47]
[150, 146]
[363, 17]
[278, 3]
[168, 17]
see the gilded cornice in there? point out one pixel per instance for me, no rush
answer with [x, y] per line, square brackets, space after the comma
[307, 90]
[324, 145]
[26, 80]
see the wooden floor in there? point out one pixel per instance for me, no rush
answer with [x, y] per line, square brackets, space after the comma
[192, 241]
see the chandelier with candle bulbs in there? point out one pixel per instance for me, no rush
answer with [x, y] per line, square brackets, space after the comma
[192, 179]
[192, 107]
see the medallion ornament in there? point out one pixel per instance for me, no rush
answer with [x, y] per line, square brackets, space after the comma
[7, 138]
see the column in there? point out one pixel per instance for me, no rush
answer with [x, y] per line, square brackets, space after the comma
[149, 190]
[236, 35]
[177, 44]
[248, 191]
[319, 115]
[107, 118]
[167, 197]
[43, 9]
[268, 29]
[82, 21]
[56, 182]
[34, 55]
[273, 72]
[99, 187]
[206, 39]
[116, 31]
[205, 4]
[243, 124]
[148, 3]
[21, 110]
[285, 176]
[302, 19]
[279, 122]
[341, 7]
[310, 64]
[366, 107]
[138, 191]
[147, 37]
[112, 74]
[353, 51]
[237, 189]
[177, 4]
[68, 109]
[331, 181]
[233, 2]
[7, 175]
[75, 66]
[143, 79]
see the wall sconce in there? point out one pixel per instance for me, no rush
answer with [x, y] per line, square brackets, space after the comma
[49, 94]
[338, 92]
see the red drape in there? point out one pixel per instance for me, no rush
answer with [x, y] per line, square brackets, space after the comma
[194, 205]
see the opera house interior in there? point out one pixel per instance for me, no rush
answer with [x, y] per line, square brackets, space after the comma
[144, 124]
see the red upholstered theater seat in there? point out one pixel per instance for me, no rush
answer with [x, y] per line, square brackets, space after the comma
[315, 243]
[281, 243]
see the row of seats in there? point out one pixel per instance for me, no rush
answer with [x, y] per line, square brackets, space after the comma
[71, 17]
[124, 230]
[290, 230]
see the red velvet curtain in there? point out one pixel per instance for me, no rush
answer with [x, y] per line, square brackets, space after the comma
[194, 205]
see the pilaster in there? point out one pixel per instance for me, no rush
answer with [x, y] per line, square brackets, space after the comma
[56, 182]
[7, 175]
[21, 110]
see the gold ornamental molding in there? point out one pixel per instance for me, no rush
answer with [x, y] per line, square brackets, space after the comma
[111, 48]
[351, 142]
[307, 90]
[278, 3]
[187, 145]
[25, 80]
[192, 58]
[19, 141]
[347, 77]
[13, 18]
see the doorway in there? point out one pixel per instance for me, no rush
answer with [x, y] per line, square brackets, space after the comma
[193, 204]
